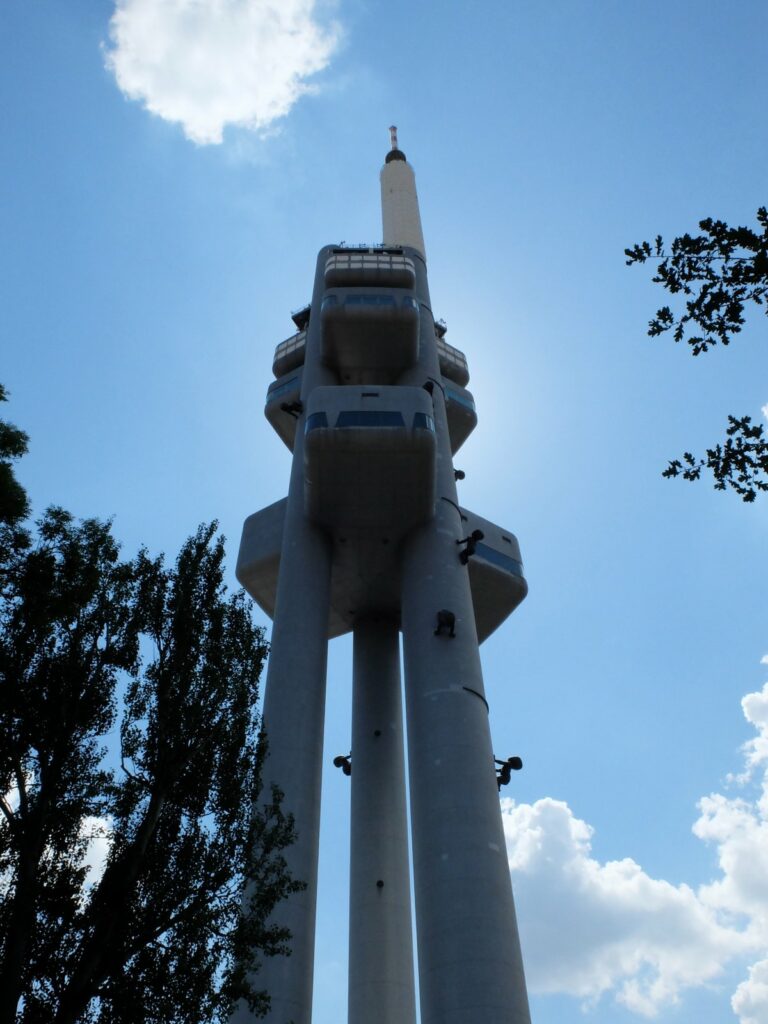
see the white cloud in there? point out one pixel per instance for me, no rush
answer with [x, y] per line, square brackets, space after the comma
[98, 834]
[206, 64]
[738, 827]
[764, 411]
[592, 929]
[750, 1000]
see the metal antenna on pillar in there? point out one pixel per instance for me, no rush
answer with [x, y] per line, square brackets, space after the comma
[393, 135]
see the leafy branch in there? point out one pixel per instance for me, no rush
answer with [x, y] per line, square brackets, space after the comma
[741, 462]
[720, 272]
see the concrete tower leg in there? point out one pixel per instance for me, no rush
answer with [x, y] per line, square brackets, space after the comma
[294, 713]
[470, 965]
[381, 986]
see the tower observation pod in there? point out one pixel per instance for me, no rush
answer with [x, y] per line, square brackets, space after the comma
[371, 539]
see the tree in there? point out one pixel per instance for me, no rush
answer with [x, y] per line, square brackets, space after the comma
[160, 937]
[720, 272]
[13, 444]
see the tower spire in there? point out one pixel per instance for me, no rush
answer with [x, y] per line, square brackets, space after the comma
[401, 220]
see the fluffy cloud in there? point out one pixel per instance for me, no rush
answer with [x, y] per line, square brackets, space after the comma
[750, 1000]
[593, 929]
[98, 835]
[206, 64]
[739, 830]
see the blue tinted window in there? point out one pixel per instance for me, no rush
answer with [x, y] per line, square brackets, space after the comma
[370, 419]
[455, 396]
[315, 420]
[329, 300]
[421, 421]
[489, 554]
[369, 300]
[277, 388]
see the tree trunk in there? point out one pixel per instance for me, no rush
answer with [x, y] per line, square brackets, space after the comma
[109, 904]
[22, 920]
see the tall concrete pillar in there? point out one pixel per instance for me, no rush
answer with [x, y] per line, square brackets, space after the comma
[381, 986]
[294, 716]
[470, 964]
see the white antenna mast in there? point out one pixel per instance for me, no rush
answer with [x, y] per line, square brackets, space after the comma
[401, 220]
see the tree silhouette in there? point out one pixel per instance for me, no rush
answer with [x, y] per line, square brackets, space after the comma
[719, 272]
[128, 697]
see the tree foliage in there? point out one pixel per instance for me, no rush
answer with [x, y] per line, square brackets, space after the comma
[13, 444]
[155, 667]
[740, 462]
[719, 272]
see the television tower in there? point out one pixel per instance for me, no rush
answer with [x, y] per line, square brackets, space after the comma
[372, 401]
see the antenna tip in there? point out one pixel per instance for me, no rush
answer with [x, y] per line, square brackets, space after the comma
[394, 153]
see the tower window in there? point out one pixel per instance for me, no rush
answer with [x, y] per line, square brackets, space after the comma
[370, 419]
[315, 421]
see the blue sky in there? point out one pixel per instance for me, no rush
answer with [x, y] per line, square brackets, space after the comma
[149, 265]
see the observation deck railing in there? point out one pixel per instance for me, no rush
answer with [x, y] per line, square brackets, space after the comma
[369, 267]
[453, 363]
[289, 354]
